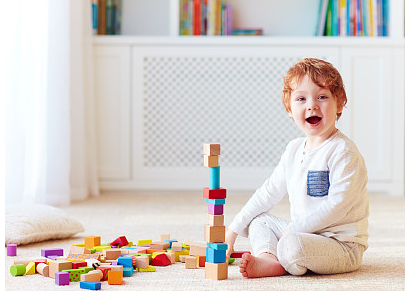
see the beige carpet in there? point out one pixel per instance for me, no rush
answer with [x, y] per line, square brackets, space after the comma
[147, 216]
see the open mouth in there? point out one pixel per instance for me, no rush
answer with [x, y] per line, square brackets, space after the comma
[313, 119]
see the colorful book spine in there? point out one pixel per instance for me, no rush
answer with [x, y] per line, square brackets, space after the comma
[196, 18]
[323, 8]
[101, 16]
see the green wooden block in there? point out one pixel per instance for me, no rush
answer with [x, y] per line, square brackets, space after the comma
[87, 269]
[75, 274]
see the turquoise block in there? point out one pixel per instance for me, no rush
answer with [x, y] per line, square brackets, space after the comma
[125, 261]
[216, 201]
[218, 246]
[214, 177]
[215, 256]
[127, 271]
[90, 285]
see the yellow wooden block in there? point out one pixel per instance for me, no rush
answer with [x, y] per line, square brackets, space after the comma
[79, 244]
[101, 248]
[148, 269]
[144, 242]
[115, 277]
[30, 268]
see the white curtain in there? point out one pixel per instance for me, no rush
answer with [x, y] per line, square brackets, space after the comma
[50, 145]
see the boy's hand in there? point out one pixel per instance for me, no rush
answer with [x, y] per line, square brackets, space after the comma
[230, 239]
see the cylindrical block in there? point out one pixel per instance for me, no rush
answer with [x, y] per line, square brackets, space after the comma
[214, 177]
[43, 269]
[17, 270]
[11, 250]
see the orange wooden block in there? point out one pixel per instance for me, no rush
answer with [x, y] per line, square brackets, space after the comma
[216, 271]
[200, 261]
[92, 241]
[115, 278]
[151, 251]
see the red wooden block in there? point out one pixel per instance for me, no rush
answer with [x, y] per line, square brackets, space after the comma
[238, 254]
[77, 264]
[122, 241]
[161, 260]
[214, 193]
[200, 261]
[44, 261]
[105, 271]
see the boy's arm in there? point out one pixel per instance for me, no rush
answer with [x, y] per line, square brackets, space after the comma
[347, 190]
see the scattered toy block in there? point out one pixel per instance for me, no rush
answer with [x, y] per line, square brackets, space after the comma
[211, 161]
[141, 262]
[61, 278]
[215, 209]
[99, 272]
[218, 246]
[151, 251]
[219, 193]
[214, 177]
[177, 254]
[91, 276]
[176, 246]
[75, 274]
[121, 241]
[78, 264]
[11, 250]
[215, 256]
[144, 242]
[215, 220]
[216, 201]
[24, 262]
[79, 244]
[148, 269]
[87, 269]
[216, 271]
[161, 260]
[82, 257]
[171, 257]
[190, 262]
[238, 254]
[197, 250]
[79, 250]
[128, 271]
[55, 258]
[92, 241]
[153, 255]
[116, 268]
[170, 241]
[200, 261]
[105, 271]
[90, 285]
[58, 266]
[101, 248]
[39, 261]
[160, 245]
[214, 234]
[52, 252]
[43, 269]
[165, 237]
[30, 268]
[125, 261]
[211, 149]
[115, 278]
[112, 254]
[17, 270]
[182, 258]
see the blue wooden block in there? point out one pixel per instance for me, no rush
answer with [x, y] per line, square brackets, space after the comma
[218, 246]
[214, 177]
[216, 201]
[215, 256]
[127, 271]
[90, 285]
[125, 261]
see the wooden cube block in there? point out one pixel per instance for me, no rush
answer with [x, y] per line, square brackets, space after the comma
[200, 261]
[112, 254]
[91, 277]
[115, 278]
[160, 245]
[216, 271]
[165, 237]
[215, 256]
[215, 220]
[176, 246]
[219, 193]
[61, 278]
[92, 241]
[211, 161]
[214, 234]
[141, 262]
[215, 209]
[211, 149]
[197, 250]
[171, 257]
[58, 266]
[190, 262]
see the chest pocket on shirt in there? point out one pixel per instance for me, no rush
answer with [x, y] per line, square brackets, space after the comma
[317, 183]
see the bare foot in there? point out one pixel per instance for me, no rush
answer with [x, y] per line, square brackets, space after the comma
[265, 265]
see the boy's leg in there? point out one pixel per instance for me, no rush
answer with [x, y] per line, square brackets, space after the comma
[299, 252]
[265, 231]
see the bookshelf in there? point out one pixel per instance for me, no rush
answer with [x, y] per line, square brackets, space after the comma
[144, 68]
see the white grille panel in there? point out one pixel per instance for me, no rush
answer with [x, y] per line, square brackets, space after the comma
[189, 100]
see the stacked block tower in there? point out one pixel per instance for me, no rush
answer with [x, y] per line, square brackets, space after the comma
[216, 266]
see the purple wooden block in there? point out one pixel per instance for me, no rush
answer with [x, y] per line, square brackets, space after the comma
[62, 278]
[52, 252]
[11, 250]
[53, 257]
[215, 209]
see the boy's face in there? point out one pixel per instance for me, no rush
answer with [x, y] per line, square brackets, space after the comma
[313, 109]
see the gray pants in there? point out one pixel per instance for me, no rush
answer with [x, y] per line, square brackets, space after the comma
[299, 252]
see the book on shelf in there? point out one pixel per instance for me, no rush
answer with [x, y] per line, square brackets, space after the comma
[353, 18]
[247, 31]
[106, 16]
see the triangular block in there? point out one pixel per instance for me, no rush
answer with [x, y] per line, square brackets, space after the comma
[161, 260]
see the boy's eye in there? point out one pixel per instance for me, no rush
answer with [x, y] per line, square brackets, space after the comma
[300, 99]
[322, 97]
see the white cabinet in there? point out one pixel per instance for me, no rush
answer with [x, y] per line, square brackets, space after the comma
[113, 113]
[159, 99]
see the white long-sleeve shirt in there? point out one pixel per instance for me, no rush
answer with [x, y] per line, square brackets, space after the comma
[327, 191]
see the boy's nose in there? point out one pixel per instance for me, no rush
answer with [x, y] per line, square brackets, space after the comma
[312, 106]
